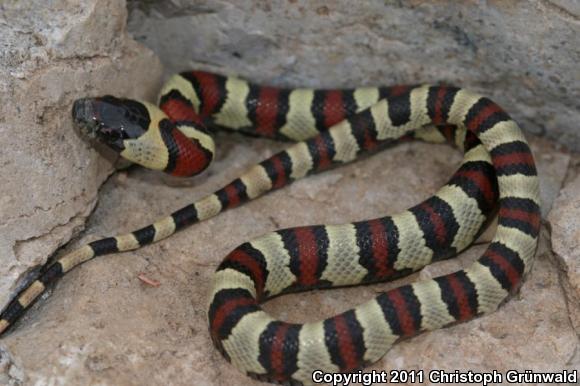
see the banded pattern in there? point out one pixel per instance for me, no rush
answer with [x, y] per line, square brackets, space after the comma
[334, 127]
[385, 248]
[178, 143]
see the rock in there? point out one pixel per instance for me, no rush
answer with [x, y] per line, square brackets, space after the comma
[524, 56]
[552, 168]
[102, 324]
[565, 223]
[49, 57]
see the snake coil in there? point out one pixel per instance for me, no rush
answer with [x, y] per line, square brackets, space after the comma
[332, 127]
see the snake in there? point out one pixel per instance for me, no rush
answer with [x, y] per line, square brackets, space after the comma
[330, 127]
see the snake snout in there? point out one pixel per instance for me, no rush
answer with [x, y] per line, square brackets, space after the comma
[84, 117]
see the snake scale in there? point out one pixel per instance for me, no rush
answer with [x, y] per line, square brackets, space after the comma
[331, 127]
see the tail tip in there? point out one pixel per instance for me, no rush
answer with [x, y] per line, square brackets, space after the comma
[4, 324]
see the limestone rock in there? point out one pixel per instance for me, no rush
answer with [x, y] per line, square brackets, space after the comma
[565, 222]
[50, 177]
[102, 325]
[523, 55]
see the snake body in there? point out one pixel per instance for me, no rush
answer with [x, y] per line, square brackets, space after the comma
[332, 127]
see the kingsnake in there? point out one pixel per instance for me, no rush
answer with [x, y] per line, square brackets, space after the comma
[333, 127]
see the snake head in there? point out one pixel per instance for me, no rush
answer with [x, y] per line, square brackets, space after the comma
[111, 120]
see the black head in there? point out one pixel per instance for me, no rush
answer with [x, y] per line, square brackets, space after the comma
[111, 120]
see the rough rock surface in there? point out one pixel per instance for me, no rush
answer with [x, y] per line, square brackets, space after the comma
[102, 325]
[565, 222]
[523, 54]
[50, 56]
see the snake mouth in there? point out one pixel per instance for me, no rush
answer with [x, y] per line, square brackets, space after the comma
[84, 117]
[86, 120]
